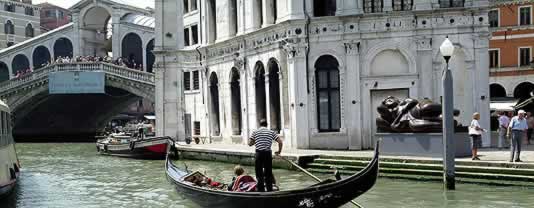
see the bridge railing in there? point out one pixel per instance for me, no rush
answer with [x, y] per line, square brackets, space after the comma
[111, 69]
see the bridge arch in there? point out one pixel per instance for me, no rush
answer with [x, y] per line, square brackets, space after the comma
[150, 57]
[40, 56]
[132, 49]
[20, 63]
[97, 19]
[4, 72]
[63, 47]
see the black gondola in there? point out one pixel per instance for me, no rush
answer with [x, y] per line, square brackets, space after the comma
[327, 194]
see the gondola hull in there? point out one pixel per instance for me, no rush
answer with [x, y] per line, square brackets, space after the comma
[327, 195]
[149, 148]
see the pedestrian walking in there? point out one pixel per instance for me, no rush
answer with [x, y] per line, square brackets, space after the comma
[475, 131]
[503, 128]
[530, 123]
[263, 139]
[517, 127]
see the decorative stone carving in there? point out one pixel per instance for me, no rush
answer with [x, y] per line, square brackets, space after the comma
[352, 48]
[293, 47]
[424, 44]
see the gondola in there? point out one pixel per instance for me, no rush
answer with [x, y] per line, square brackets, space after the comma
[326, 194]
[139, 148]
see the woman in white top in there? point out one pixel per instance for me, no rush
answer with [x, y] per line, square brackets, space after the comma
[475, 131]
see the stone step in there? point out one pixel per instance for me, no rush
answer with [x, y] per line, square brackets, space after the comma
[481, 163]
[433, 178]
[460, 168]
[459, 173]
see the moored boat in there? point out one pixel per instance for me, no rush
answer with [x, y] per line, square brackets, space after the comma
[326, 194]
[9, 165]
[126, 146]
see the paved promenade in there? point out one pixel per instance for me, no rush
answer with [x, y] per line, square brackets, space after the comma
[490, 155]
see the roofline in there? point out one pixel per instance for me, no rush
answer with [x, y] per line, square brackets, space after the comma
[145, 11]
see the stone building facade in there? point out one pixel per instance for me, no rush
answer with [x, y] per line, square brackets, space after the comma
[53, 16]
[20, 21]
[316, 70]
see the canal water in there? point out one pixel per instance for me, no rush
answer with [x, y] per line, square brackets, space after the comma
[74, 175]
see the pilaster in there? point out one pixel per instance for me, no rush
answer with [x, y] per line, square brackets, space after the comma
[420, 5]
[298, 93]
[424, 66]
[353, 96]
[268, 100]
[116, 37]
[388, 5]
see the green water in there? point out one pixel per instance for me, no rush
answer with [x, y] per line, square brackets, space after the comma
[74, 175]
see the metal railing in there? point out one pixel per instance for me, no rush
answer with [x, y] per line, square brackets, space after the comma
[109, 69]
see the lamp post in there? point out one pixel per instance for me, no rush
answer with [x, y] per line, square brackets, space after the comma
[447, 49]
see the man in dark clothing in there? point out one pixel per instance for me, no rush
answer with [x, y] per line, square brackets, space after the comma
[263, 139]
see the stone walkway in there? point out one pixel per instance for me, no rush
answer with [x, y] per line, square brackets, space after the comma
[492, 155]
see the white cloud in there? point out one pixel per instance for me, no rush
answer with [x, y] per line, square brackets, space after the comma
[69, 3]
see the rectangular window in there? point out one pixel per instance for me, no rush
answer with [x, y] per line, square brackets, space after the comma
[48, 13]
[187, 81]
[451, 3]
[494, 58]
[372, 6]
[493, 16]
[196, 125]
[186, 6]
[60, 15]
[194, 34]
[525, 15]
[524, 56]
[193, 5]
[402, 5]
[186, 37]
[196, 81]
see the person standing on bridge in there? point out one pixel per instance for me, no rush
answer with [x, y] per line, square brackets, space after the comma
[263, 139]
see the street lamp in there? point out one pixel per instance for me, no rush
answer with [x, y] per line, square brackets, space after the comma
[447, 49]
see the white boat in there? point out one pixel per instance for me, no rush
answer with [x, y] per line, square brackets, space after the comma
[9, 164]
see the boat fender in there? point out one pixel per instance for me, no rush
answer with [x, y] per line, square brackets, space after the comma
[174, 150]
[105, 147]
[12, 173]
[132, 146]
[97, 148]
[17, 169]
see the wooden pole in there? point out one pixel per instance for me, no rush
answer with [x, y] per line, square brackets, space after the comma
[314, 177]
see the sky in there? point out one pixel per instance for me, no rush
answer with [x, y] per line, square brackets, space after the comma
[69, 3]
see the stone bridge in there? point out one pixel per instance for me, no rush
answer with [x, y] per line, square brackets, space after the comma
[39, 114]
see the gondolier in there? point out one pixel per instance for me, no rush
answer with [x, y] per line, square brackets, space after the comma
[263, 139]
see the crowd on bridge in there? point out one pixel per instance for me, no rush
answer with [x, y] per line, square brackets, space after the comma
[124, 62]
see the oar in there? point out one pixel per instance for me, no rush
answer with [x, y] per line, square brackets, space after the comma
[314, 177]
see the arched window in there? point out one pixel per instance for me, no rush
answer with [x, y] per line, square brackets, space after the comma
[9, 28]
[28, 11]
[328, 97]
[9, 7]
[29, 30]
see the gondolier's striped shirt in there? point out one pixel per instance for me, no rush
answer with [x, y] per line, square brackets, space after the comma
[264, 138]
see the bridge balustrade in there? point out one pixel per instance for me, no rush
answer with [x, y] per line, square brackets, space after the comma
[109, 69]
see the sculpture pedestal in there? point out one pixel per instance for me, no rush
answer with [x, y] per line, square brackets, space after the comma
[421, 144]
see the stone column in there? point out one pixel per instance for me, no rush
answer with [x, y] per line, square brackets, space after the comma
[116, 37]
[267, 99]
[77, 43]
[481, 87]
[298, 94]
[296, 10]
[425, 67]
[422, 5]
[353, 96]
[145, 61]
[253, 15]
[268, 10]
[243, 90]
[348, 7]
[388, 5]
[241, 17]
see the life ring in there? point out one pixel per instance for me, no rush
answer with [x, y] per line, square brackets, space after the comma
[12, 173]
[132, 146]
[17, 169]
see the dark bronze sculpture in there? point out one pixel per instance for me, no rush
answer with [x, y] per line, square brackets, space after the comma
[410, 115]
